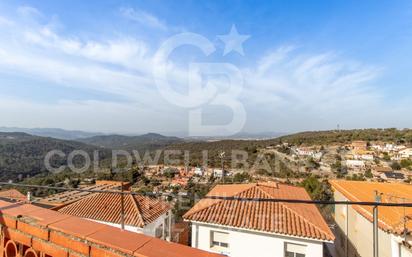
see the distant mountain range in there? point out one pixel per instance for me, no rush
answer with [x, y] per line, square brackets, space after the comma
[79, 135]
[52, 132]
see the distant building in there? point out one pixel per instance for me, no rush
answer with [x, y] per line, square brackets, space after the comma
[381, 169]
[367, 157]
[265, 229]
[406, 153]
[359, 145]
[354, 223]
[199, 171]
[355, 164]
[392, 176]
[219, 173]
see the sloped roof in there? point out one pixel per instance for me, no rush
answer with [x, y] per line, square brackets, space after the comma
[68, 197]
[391, 219]
[13, 195]
[90, 238]
[303, 220]
[138, 210]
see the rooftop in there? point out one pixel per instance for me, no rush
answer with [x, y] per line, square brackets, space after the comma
[391, 219]
[67, 197]
[138, 210]
[12, 195]
[302, 220]
[66, 235]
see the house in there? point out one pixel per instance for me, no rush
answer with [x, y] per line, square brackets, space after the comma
[354, 235]
[392, 176]
[219, 173]
[142, 214]
[406, 153]
[355, 164]
[265, 229]
[359, 145]
[304, 151]
[381, 169]
[31, 231]
[199, 171]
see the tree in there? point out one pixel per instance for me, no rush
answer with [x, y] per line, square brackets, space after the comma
[396, 166]
[368, 173]
[241, 177]
[406, 164]
[386, 156]
[318, 190]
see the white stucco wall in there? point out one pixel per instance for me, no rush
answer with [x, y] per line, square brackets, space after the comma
[244, 243]
[360, 234]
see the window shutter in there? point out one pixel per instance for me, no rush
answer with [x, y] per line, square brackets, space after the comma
[295, 248]
[220, 237]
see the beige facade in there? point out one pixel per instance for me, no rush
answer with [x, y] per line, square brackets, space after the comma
[354, 235]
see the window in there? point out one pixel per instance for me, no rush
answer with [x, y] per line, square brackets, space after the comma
[295, 250]
[219, 239]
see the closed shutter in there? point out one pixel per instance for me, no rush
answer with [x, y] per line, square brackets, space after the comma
[220, 237]
[296, 248]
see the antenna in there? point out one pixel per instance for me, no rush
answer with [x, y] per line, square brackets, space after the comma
[222, 156]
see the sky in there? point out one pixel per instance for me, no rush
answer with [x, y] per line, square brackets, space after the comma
[205, 67]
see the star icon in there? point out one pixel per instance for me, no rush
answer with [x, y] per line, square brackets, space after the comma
[233, 41]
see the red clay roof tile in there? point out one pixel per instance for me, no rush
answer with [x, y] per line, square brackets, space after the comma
[139, 210]
[100, 235]
[294, 219]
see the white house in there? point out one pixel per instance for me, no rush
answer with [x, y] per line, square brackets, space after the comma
[265, 229]
[355, 164]
[218, 173]
[406, 153]
[354, 232]
[142, 214]
[199, 171]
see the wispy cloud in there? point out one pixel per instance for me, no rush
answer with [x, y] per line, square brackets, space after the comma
[285, 89]
[143, 18]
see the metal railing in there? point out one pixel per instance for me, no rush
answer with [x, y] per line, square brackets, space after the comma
[375, 204]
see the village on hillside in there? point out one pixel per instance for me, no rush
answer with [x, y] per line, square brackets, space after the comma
[173, 202]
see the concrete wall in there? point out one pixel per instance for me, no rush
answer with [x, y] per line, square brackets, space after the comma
[359, 232]
[244, 243]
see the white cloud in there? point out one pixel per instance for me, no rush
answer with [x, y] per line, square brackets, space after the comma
[286, 89]
[143, 18]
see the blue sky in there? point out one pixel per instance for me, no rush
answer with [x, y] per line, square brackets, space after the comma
[307, 65]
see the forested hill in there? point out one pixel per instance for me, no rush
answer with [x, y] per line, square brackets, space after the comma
[22, 155]
[149, 142]
[303, 138]
[346, 136]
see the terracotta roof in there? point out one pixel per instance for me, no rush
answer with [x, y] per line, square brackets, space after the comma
[303, 220]
[139, 210]
[73, 236]
[391, 219]
[12, 195]
[67, 197]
